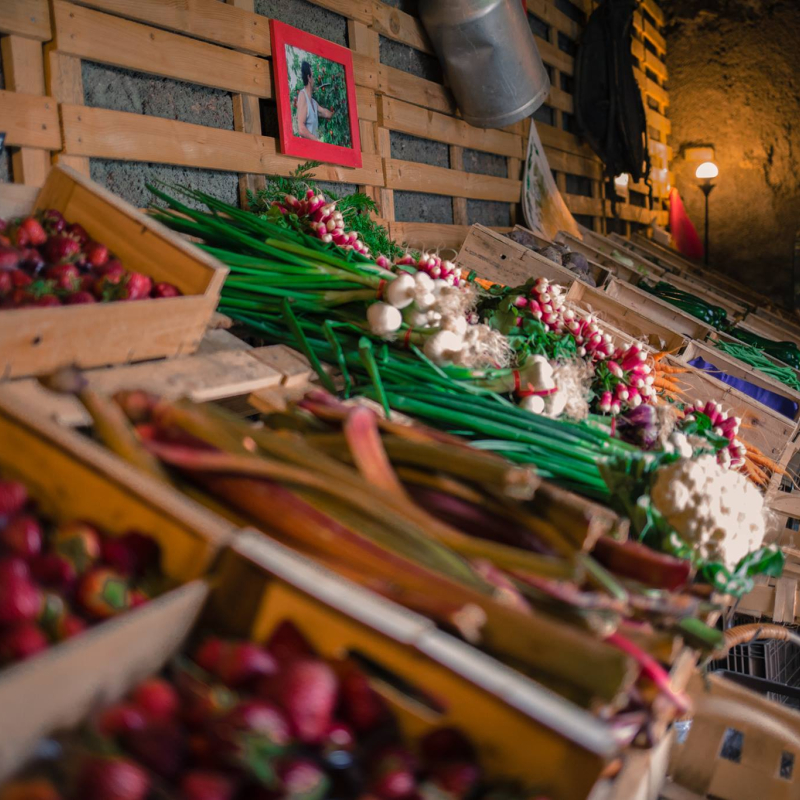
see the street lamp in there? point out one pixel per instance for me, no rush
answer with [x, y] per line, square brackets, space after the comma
[705, 174]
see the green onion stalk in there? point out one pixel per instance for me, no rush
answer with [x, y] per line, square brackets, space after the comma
[755, 357]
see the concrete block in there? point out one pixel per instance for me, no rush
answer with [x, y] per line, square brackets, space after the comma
[488, 212]
[485, 163]
[302, 14]
[419, 207]
[425, 151]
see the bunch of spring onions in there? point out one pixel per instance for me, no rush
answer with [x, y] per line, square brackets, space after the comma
[755, 358]
[685, 301]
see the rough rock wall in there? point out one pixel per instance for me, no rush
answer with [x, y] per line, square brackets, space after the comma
[734, 83]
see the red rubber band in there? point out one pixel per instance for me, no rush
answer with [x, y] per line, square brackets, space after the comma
[407, 339]
[613, 426]
[381, 287]
[517, 387]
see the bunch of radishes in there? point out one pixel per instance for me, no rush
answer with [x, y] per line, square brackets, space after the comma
[725, 424]
[45, 261]
[630, 379]
[57, 580]
[324, 221]
[249, 722]
[432, 265]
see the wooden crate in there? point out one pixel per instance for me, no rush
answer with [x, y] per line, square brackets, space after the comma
[29, 117]
[37, 340]
[658, 310]
[763, 427]
[625, 318]
[499, 259]
[769, 730]
[73, 478]
[640, 269]
[738, 369]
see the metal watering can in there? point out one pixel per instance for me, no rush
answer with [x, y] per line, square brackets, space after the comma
[490, 58]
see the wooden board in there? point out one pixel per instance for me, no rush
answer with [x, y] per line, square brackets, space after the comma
[411, 176]
[658, 310]
[95, 36]
[29, 121]
[133, 137]
[407, 118]
[625, 318]
[497, 258]
[29, 18]
[611, 264]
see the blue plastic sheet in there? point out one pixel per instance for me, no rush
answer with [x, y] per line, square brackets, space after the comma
[783, 405]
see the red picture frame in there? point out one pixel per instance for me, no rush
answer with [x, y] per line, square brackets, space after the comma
[283, 35]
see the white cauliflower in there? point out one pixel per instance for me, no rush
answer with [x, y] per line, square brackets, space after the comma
[717, 511]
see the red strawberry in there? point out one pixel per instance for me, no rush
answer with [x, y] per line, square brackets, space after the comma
[260, 717]
[103, 593]
[161, 749]
[288, 644]
[146, 549]
[116, 553]
[308, 690]
[137, 286]
[157, 700]
[46, 301]
[34, 232]
[111, 267]
[457, 779]
[79, 542]
[138, 598]
[446, 744]
[112, 779]
[339, 737]
[60, 249]
[107, 287]
[19, 299]
[31, 260]
[96, 254]
[66, 277]
[52, 611]
[79, 298]
[6, 284]
[302, 779]
[77, 231]
[13, 568]
[20, 601]
[69, 626]
[165, 290]
[235, 663]
[55, 571]
[23, 536]
[119, 719]
[362, 706]
[202, 785]
[13, 496]
[21, 641]
[9, 258]
[20, 279]
[53, 221]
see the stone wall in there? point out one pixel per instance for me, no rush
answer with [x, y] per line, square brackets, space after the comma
[734, 83]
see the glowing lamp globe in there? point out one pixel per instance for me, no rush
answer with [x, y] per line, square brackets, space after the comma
[707, 171]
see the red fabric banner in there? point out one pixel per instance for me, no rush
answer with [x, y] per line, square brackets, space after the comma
[684, 234]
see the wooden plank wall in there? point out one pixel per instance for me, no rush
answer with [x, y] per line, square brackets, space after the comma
[227, 46]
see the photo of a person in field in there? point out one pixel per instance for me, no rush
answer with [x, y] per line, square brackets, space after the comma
[308, 109]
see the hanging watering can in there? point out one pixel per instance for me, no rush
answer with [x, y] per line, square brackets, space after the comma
[490, 58]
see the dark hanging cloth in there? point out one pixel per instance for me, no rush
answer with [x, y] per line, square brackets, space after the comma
[608, 102]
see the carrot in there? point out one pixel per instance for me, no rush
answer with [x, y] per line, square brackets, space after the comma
[755, 474]
[665, 368]
[666, 383]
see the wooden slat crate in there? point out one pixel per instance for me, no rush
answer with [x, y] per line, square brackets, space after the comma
[641, 267]
[658, 310]
[29, 117]
[625, 318]
[499, 259]
[770, 732]
[37, 340]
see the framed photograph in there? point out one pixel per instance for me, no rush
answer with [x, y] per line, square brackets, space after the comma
[316, 96]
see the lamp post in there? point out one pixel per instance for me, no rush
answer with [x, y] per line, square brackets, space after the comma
[705, 174]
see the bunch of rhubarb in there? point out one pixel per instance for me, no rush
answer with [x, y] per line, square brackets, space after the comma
[57, 579]
[46, 261]
[242, 721]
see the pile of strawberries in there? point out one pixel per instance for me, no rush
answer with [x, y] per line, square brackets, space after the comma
[241, 721]
[57, 580]
[45, 261]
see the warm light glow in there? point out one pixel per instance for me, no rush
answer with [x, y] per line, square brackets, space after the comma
[622, 180]
[707, 171]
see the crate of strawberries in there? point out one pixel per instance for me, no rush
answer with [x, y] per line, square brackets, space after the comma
[70, 267]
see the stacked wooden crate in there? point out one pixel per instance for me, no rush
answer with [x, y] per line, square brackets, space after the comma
[226, 46]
